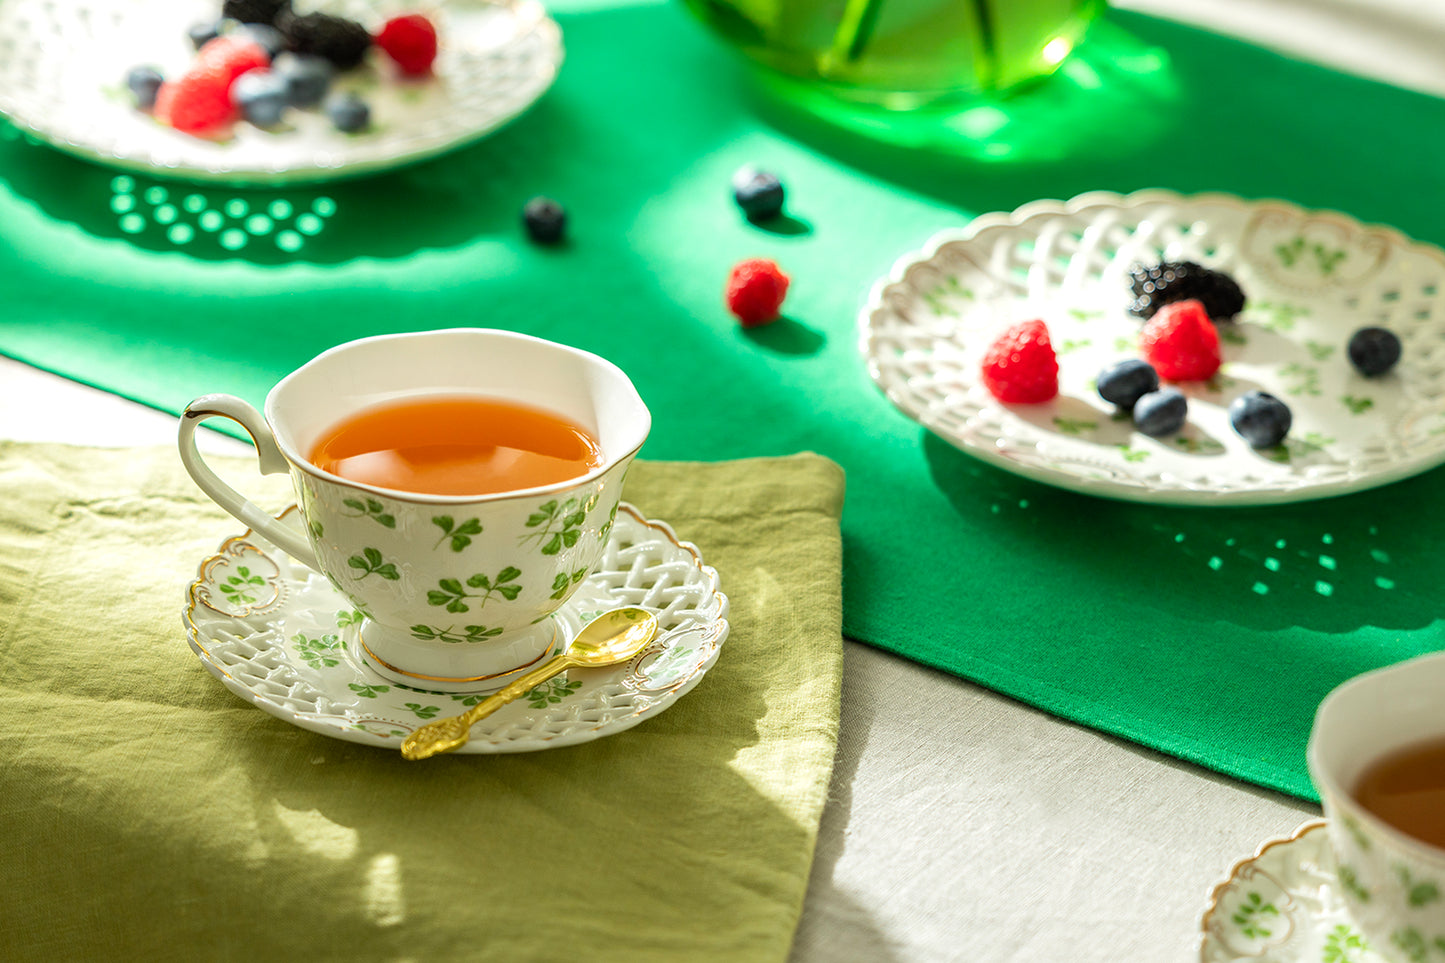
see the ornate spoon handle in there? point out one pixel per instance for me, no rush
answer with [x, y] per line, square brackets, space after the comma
[444, 735]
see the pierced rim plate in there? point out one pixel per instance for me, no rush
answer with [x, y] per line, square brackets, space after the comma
[1311, 277]
[280, 636]
[62, 78]
[1284, 905]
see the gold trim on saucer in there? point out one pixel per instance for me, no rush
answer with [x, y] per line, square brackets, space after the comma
[1239, 866]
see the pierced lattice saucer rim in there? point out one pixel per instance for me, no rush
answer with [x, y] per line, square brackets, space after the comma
[99, 129]
[1302, 867]
[1110, 477]
[619, 694]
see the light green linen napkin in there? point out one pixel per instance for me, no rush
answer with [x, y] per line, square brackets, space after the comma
[150, 814]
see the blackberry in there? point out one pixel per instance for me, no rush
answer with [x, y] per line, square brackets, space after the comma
[1154, 287]
[254, 11]
[341, 41]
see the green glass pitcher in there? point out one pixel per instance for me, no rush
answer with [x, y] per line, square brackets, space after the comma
[903, 53]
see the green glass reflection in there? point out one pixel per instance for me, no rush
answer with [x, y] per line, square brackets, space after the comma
[1113, 94]
[903, 53]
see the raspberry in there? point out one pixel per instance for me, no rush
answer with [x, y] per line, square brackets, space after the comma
[231, 55]
[1166, 282]
[341, 41]
[1021, 367]
[411, 41]
[755, 291]
[1181, 342]
[198, 103]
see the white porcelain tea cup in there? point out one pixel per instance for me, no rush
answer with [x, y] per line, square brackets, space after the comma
[458, 592]
[1393, 884]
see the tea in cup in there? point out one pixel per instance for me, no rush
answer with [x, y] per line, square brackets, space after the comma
[455, 486]
[1377, 757]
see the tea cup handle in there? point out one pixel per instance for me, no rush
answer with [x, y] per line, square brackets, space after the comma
[268, 453]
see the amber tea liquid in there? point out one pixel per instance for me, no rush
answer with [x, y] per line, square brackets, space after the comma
[456, 445]
[1407, 790]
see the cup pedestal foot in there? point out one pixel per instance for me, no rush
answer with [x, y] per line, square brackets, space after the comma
[459, 667]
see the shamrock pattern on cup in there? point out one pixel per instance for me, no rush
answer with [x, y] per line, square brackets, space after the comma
[475, 565]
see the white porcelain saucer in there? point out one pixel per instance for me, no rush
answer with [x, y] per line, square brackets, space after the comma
[1312, 278]
[1284, 905]
[62, 78]
[280, 636]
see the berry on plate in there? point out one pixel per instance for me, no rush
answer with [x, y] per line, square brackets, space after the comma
[1374, 351]
[1169, 281]
[343, 42]
[267, 37]
[1021, 367]
[1260, 418]
[254, 11]
[1181, 342]
[1161, 412]
[758, 192]
[347, 112]
[260, 95]
[203, 32]
[1125, 383]
[411, 41]
[755, 291]
[308, 77]
[144, 83]
[230, 55]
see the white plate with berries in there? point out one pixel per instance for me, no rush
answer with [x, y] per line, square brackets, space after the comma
[1282, 372]
[395, 83]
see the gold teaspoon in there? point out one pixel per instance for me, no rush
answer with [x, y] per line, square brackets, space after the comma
[610, 638]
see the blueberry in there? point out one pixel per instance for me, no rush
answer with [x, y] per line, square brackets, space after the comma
[545, 220]
[758, 192]
[1373, 351]
[203, 32]
[143, 83]
[265, 35]
[1125, 383]
[1160, 413]
[261, 97]
[348, 112]
[307, 77]
[1260, 418]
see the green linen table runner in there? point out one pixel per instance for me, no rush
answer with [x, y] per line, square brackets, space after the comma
[151, 814]
[1211, 635]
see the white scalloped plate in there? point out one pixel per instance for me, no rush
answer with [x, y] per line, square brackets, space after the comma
[63, 65]
[1311, 278]
[1284, 905]
[280, 636]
